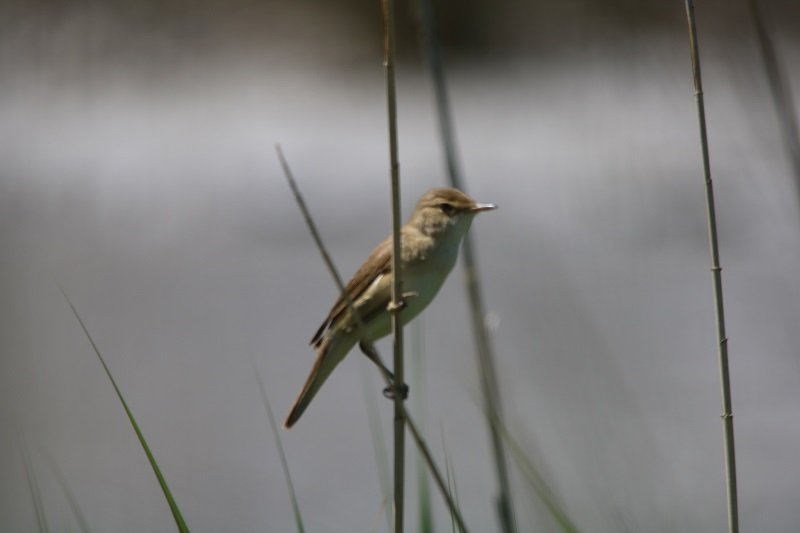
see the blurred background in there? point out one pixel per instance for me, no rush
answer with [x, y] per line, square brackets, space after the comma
[138, 172]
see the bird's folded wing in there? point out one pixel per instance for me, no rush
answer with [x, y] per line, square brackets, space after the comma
[378, 263]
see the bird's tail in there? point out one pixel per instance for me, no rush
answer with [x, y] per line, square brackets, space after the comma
[329, 354]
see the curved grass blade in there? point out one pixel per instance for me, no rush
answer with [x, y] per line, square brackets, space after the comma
[173, 506]
[298, 518]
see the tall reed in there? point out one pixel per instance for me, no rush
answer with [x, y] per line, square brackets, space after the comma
[722, 339]
[485, 352]
[397, 274]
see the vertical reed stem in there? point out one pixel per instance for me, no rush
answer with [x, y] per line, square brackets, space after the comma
[397, 283]
[722, 339]
[485, 353]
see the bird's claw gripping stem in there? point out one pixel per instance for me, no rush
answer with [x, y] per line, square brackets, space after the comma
[402, 389]
[398, 306]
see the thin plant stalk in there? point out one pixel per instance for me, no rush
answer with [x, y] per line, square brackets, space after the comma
[485, 352]
[397, 278]
[779, 87]
[722, 339]
[298, 517]
[367, 346]
[173, 506]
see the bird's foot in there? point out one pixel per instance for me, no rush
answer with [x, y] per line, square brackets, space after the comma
[400, 305]
[402, 389]
[396, 306]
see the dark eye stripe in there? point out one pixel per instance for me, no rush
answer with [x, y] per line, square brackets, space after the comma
[447, 209]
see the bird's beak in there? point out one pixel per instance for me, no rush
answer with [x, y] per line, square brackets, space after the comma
[477, 208]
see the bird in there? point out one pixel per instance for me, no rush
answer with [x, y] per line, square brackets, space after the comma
[430, 242]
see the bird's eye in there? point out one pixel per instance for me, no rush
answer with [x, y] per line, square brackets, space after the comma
[447, 209]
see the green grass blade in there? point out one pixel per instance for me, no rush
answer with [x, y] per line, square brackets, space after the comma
[33, 486]
[173, 506]
[298, 518]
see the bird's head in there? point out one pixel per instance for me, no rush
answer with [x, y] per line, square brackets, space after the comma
[446, 210]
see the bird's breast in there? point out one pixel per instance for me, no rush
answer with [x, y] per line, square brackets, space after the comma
[423, 278]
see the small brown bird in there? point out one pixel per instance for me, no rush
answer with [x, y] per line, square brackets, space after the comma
[429, 248]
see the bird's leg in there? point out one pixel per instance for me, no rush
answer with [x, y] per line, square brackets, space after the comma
[372, 356]
[388, 392]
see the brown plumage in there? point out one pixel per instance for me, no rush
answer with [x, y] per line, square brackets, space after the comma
[429, 246]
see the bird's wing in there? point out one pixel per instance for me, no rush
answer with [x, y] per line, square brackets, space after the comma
[378, 263]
